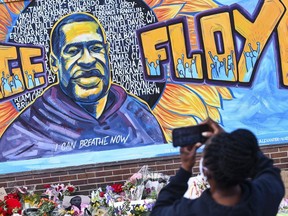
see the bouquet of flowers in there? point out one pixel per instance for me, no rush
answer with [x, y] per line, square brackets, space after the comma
[58, 191]
[134, 187]
[10, 205]
[46, 206]
[99, 201]
[153, 184]
[141, 210]
[28, 196]
[283, 207]
[196, 185]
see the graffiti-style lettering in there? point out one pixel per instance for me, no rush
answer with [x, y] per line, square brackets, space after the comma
[21, 69]
[220, 57]
[256, 32]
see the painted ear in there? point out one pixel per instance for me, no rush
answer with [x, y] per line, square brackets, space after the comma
[54, 63]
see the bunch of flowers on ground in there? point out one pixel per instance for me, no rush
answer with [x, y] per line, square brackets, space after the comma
[10, 205]
[283, 207]
[46, 206]
[58, 191]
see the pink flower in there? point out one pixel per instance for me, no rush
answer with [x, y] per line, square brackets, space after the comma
[135, 177]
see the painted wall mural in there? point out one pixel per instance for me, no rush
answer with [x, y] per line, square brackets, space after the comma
[90, 81]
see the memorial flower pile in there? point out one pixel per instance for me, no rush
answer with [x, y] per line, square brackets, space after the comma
[58, 191]
[46, 206]
[283, 207]
[10, 205]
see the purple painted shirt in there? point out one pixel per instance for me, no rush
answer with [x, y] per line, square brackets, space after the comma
[54, 125]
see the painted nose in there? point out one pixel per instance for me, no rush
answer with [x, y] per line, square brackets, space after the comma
[86, 59]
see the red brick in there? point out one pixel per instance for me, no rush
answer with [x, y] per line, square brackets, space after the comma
[124, 166]
[94, 169]
[79, 182]
[59, 173]
[172, 166]
[282, 166]
[270, 150]
[279, 154]
[112, 167]
[51, 180]
[33, 181]
[68, 178]
[86, 175]
[121, 171]
[164, 162]
[96, 180]
[156, 168]
[104, 173]
[113, 178]
[282, 160]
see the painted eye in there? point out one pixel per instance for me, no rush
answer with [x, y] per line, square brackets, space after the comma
[72, 51]
[96, 49]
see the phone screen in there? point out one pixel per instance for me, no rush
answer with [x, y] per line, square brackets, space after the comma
[186, 136]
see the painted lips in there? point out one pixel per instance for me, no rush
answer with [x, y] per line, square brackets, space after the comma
[87, 79]
[87, 82]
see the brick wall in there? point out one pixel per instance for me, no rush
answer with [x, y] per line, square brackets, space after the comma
[89, 177]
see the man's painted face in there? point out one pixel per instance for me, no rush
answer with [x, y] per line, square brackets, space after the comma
[83, 64]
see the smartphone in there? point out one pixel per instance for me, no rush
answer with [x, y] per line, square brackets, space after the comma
[186, 136]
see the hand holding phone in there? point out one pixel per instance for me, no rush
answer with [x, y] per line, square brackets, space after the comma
[190, 135]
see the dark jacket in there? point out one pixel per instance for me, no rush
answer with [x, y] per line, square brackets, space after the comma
[261, 196]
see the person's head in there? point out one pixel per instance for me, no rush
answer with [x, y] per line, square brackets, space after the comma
[76, 201]
[79, 53]
[229, 158]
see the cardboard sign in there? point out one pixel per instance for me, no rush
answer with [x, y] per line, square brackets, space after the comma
[2, 193]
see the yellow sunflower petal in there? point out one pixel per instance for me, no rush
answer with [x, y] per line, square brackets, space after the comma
[193, 6]
[171, 119]
[5, 16]
[214, 113]
[3, 32]
[168, 134]
[153, 3]
[225, 93]
[208, 93]
[7, 114]
[15, 7]
[183, 101]
[166, 12]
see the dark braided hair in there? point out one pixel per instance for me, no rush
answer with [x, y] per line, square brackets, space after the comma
[231, 157]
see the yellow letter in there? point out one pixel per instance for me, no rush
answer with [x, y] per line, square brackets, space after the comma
[30, 69]
[221, 63]
[191, 67]
[283, 44]
[256, 34]
[149, 41]
[7, 53]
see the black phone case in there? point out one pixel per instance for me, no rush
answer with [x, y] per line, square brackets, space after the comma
[186, 136]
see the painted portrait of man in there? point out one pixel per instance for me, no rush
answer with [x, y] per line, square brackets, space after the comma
[85, 111]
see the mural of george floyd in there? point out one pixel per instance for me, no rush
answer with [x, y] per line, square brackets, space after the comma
[101, 81]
